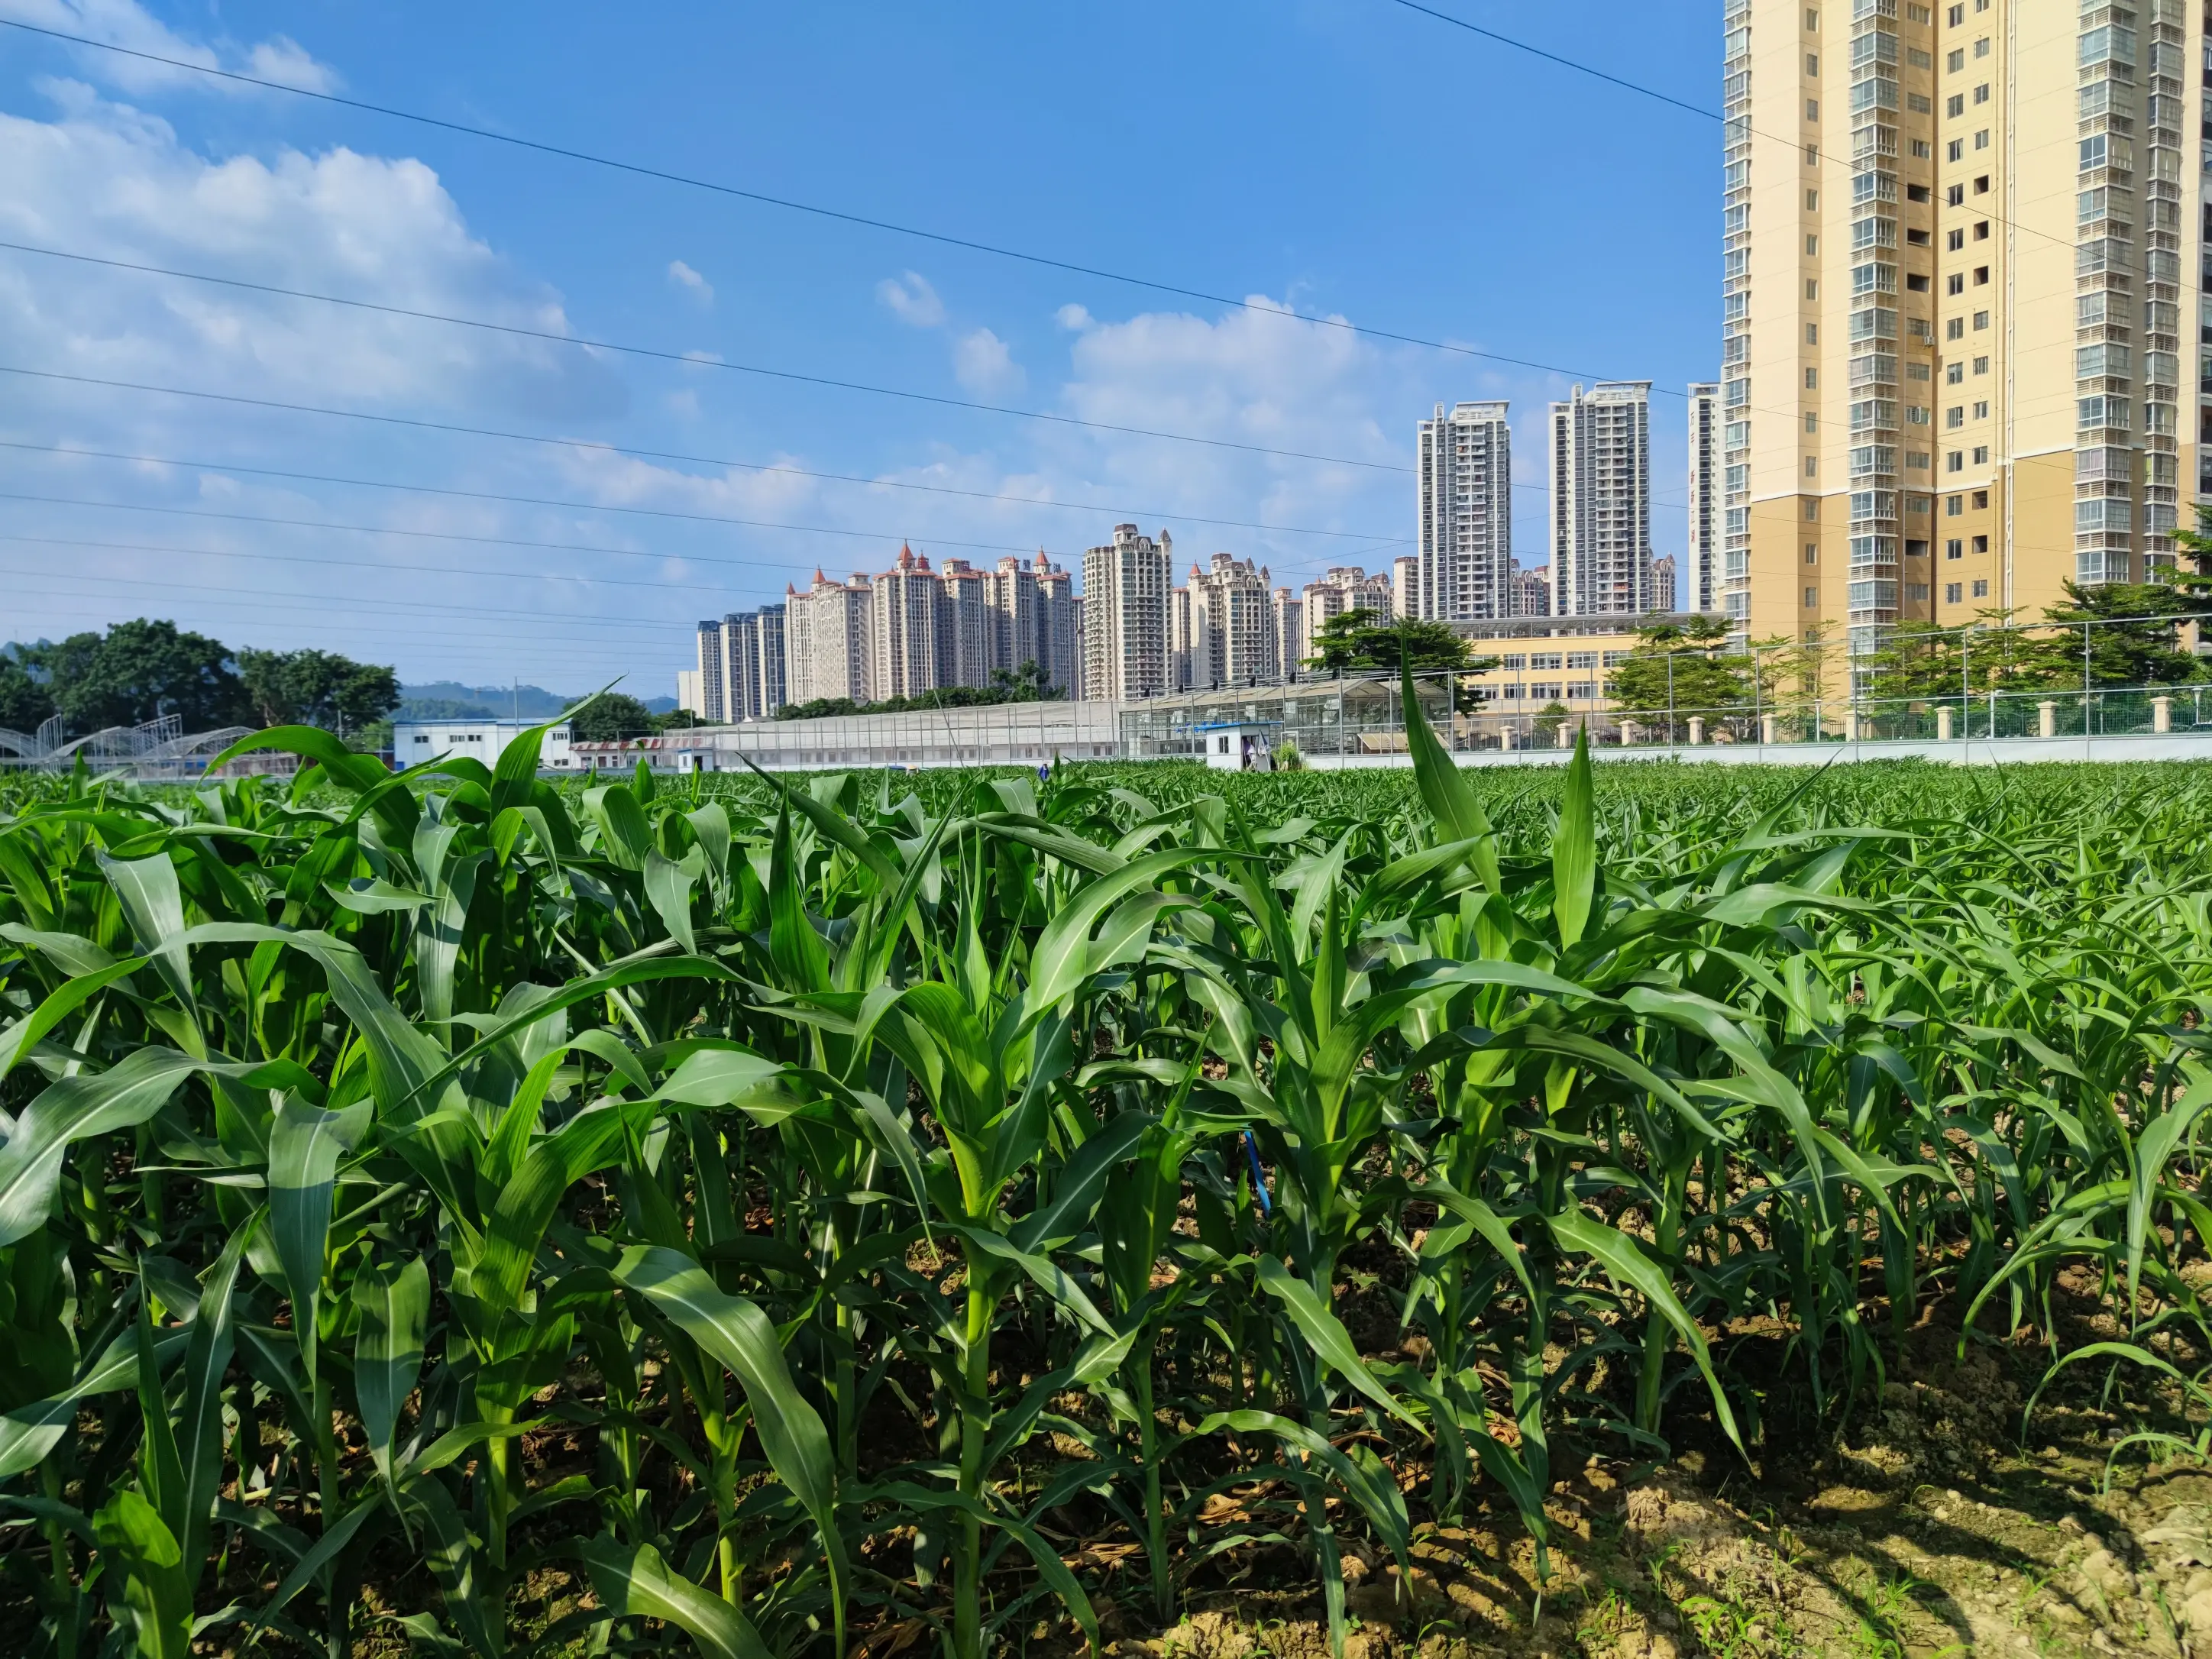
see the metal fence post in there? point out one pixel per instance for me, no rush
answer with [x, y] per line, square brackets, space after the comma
[1758, 690]
[1670, 699]
[2085, 679]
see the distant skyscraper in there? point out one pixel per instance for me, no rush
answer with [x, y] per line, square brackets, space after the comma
[1601, 500]
[829, 641]
[1664, 596]
[1236, 640]
[710, 673]
[1124, 616]
[1464, 522]
[968, 641]
[1290, 616]
[1059, 626]
[1703, 558]
[754, 680]
[905, 618]
[1347, 588]
[1185, 622]
[1532, 591]
[1406, 585]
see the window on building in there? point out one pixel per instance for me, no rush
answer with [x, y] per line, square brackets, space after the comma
[1982, 47]
[1981, 275]
[1811, 113]
[1956, 61]
[1812, 513]
[1813, 64]
[1982, 139]
[1956, 281]
[1916, 285]
[1954, 240]
[1918, 193]
[1812, 552]
[1812, 421]
[1954, 549]
[1981, 588]
[1981, 320]
[1921, 152]
[1981, 543]
[1955, 329]
[1981, 500]
[1955, 461]
[1981, 365]
[1982, 410]
[1953, 592]
[1982, 93]
[1955, 196]
[1954, 506]
[1812, 466]
[1955, 150]
[1982, 186]
[1981, 454]
[1955, 104]
[1811, 380]
[1954, 375]
[1956, 17]
[1811, 334]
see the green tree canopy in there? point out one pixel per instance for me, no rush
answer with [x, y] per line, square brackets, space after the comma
[610, 716]
[138, 672]
[1683, 666]
[316, 688]
[25, 705]
[1361, 639]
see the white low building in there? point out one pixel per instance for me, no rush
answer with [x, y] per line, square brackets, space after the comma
[414, 742]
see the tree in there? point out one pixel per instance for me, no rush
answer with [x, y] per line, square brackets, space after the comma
[317, 688]
[1027, 683]
[608, 717]
[25, 705]
[1359, 638]
[139, 672]
[1682, 667]
[2123, 650]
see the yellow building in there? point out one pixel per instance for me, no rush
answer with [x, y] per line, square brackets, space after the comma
[1956, 238]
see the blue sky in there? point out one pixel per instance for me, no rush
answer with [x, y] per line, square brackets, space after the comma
[1341, 158]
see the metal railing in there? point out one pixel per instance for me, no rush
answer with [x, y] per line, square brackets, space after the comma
[2006, 676]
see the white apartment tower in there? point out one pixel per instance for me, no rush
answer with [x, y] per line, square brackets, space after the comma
[905, 626]
[1702, 565]
[1235, 635]
[711, 681]
[1125, 617]
[1059, 629]
[1464, 514]
[1601, 500]
[829, 641]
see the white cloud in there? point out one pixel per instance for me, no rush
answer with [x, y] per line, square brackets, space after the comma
[982, 363]
[125, 23]
[1073, 318]
[912, 300]
[684, 277]
[110, 181]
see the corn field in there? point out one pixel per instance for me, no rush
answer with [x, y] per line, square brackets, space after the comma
[466, 1214]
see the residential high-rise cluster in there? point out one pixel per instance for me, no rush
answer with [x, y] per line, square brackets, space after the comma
[902, 632]
[1954, 238]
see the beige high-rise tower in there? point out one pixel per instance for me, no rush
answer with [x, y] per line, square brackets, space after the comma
[1961, 243]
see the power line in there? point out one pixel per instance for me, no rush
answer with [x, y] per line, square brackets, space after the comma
[525, 501]
[765, 467]
[1554, 58]
[791, 205]
[688, 359]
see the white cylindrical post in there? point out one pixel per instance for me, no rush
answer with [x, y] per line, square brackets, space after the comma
[1942, 726]
[1627, 733]
[1697, 730]
[1851, 725]
[2161, 714]
[2047, 718]
[1769, 726]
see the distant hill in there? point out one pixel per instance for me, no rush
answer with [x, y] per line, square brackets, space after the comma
[449, 700]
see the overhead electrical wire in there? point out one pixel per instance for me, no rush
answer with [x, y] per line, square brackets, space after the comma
[599, 445]
[688, 359]
[792, 205]
[763, 467]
